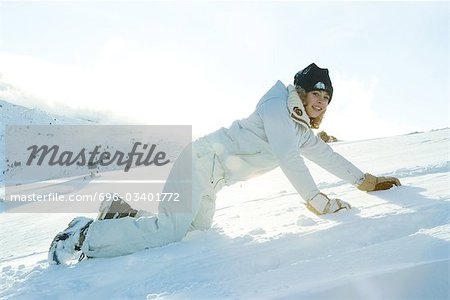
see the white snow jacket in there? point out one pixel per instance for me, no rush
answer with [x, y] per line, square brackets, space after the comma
[277, 133]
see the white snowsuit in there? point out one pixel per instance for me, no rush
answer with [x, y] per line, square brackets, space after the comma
[275, 134]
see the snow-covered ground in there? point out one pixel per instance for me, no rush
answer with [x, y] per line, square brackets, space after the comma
[13, 114]
[264, 243]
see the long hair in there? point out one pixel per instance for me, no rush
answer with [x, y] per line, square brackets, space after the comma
[314, 122]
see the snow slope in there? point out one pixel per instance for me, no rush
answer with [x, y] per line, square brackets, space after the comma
[265, 245]
[13, 114]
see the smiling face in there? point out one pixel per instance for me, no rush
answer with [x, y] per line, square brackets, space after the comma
[316, 103]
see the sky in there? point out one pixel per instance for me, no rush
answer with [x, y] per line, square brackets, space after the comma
[207, 64]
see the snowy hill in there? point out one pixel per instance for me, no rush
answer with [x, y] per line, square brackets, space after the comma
[12, 114]
[264, 243]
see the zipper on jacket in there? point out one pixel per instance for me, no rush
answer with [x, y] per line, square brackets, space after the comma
[213, 167]
[245, 154]
[212, 173]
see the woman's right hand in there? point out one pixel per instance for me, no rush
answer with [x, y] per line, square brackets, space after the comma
[320, 204]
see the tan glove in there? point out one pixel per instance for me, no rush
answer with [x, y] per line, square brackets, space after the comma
[320, 204]
[372, 183]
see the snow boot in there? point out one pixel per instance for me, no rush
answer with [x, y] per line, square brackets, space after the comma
[115, 208]
[66, 246]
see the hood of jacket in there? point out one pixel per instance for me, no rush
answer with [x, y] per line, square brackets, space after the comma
[296, 109]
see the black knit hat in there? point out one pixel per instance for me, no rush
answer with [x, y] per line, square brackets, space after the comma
[313, 78]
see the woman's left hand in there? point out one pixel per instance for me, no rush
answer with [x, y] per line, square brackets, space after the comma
[372, 183]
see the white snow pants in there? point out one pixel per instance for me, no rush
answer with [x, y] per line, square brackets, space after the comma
[117, 237]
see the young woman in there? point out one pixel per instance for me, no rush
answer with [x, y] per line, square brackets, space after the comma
[277, 133]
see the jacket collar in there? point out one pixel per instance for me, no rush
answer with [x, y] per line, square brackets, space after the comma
[297, 111]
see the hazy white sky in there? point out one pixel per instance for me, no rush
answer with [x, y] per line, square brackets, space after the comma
[208, 63]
